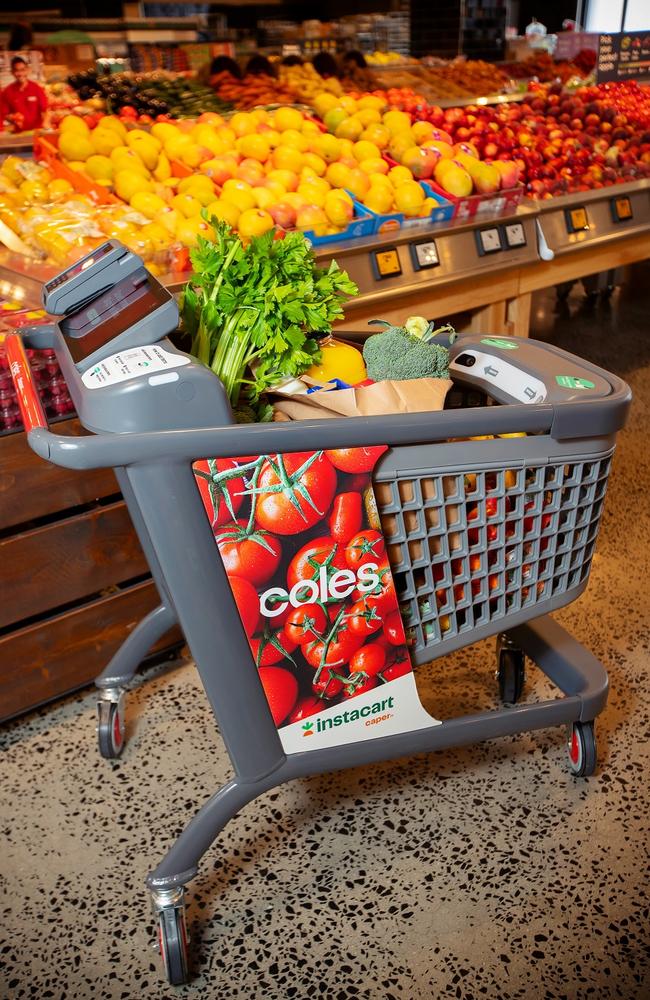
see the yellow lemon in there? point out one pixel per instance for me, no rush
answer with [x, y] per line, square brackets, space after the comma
[156, 235]
[99, 168]
[127, 183]
[163, 170]
[58, 188]
[294, 139]
[105, 141]
[285, 119]
[254, 222]
[255, 146]
[147, 203]
[364, 150]
[164, 131]
[187, 205]
[73, 123]
[113, 125]
[74, 145]
[409, 198]
[192, 155]
[243, 123]
[339, 208]
[189, 230]
[379, 199]
[225, 211]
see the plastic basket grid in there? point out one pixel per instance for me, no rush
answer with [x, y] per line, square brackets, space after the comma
[471, 548]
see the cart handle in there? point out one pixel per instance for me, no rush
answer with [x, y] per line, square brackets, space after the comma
[29, 401]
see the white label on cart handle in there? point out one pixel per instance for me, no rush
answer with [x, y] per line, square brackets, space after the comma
[131, 363]
[516, 382]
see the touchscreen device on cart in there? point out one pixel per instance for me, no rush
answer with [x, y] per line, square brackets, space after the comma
[103, 267]
[135, 312]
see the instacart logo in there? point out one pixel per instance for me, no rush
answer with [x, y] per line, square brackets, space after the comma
[373, 714]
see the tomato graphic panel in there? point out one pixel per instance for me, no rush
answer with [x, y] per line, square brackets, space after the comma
[297, 535]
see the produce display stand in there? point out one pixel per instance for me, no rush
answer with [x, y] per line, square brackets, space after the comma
[538, 502]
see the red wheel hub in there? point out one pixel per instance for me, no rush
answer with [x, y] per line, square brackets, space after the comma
[117, 729]
[574, 747]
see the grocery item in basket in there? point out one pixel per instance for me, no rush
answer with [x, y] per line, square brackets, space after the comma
[407, 352]
[338, 361]
[407, 396]
[259, 305]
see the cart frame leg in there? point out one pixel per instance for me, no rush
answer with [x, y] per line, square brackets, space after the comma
[124, 664]
[576, 672]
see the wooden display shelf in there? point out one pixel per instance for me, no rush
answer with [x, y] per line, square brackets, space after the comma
[74, 579]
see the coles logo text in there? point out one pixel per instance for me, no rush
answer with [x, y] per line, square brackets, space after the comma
[339, 585]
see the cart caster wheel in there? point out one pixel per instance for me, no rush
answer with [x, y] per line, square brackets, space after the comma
[173, 943]
[581, 747]
[110, 727]
[511, 671]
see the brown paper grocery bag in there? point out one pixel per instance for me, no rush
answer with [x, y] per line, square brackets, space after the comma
[408, 396]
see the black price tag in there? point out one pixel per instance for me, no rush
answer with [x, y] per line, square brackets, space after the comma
[576, 219]
[424, 255]
[621, 209]
[386, 263]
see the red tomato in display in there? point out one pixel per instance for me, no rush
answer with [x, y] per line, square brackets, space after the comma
[394, 629]
[353, 690]
[358, 483]
[356, 459]
[383, 596]
[307, 562]
[270, 653]
[295, 492]
[127, 111]
[363, 618]
[247, 602]
[306, 707]
[367, 546]
[308, 623]
[369, 660]
[281, 690]
[327, 685]
[252, 556]
[398, 664]
[339, 650]
[214, 494]
[345, 518]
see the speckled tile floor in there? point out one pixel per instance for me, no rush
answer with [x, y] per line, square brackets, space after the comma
[481, 872]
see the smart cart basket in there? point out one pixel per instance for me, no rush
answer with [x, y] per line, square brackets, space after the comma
[484, 537]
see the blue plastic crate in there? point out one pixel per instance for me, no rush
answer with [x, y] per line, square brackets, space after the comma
[389, 222]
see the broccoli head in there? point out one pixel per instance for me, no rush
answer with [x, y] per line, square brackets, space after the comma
[395, 354]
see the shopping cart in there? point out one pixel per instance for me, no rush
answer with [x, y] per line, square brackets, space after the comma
[484, 537]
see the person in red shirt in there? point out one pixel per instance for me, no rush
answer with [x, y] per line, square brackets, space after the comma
[22, 104]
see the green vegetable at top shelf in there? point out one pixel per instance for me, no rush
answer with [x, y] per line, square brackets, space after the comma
[260, 305]
[406, 352]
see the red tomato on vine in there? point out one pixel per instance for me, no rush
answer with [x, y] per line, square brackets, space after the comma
[221, 489]
[281, 690]
[307, 562]
[247, 602]
[356, 459]
[251, 555]
[293, 492]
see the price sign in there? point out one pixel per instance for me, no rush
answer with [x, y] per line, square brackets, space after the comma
[424, 255]
[623, 56]
[576, 220]
[386, 263]
[621, 209]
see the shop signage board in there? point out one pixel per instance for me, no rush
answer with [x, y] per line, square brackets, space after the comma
[570, 43]
[624, 56]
